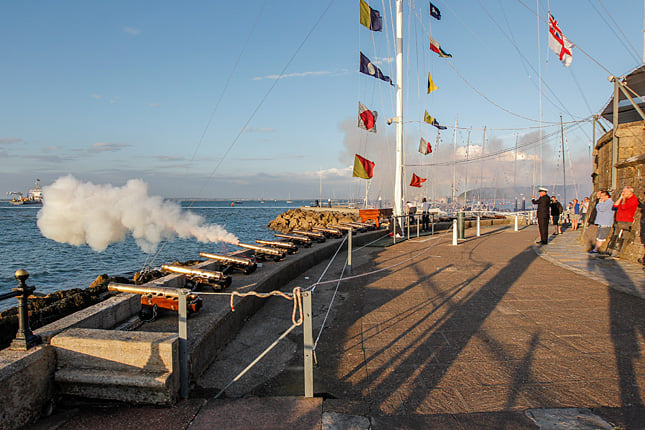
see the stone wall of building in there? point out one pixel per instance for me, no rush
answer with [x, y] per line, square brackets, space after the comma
[630, 171]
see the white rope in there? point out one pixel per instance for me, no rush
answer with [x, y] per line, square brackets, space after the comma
[329, 264]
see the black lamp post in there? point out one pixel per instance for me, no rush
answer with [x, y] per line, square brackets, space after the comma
[25, 339]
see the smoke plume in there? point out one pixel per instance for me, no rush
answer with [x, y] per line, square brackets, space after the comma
[97, 215]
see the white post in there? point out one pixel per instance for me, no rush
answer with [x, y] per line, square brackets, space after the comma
[349, 252]
[308, 340]
[182, 313]
[515, 229]
[398, 181]
[454, 232]
[478, 226]
[418, 224]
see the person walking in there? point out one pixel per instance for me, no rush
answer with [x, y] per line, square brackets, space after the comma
[556, 210]
[542, 203]
[604, 218]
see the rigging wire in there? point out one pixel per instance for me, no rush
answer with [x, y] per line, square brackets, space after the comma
[613, 29]
[257, 108]
[577, 46]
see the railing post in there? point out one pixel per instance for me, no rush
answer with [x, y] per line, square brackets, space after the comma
[407, 222]
[478, 225]
[418, 224]
[432, 224]
[25, 338]
[394, 226]
[349, 251]
[308, 340]
[454, 232]
[516, 228]
[183, 342]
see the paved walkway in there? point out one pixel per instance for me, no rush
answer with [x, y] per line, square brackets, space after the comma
[482, 335]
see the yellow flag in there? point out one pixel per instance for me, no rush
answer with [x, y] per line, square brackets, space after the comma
[431, 85]
[427, 118]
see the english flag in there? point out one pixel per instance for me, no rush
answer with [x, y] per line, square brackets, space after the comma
[558, 43]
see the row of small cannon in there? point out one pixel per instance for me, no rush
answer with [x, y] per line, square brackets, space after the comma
[167, 298]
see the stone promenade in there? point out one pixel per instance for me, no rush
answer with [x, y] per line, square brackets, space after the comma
[492, 333]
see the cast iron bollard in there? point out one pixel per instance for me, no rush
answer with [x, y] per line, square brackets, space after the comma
[25, 339]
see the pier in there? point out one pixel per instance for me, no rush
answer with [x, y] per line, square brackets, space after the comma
[492, 333]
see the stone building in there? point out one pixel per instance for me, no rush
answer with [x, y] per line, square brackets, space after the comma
[613, 171]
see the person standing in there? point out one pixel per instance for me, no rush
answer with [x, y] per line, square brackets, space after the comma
[425, 216]
[556, 210]
[542, 215]
[625, 208]
[576, 215]
[604, 218]
[584, 209]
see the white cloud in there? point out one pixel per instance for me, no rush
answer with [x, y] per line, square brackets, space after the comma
[9, 140]
[107, 147]
[293, 75]
[95, 96]
[257, 130]
[132, 31]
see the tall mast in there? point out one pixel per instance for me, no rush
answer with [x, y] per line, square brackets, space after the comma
[564, 171]
[398, 182]
[466, 180]
[454, 166]
[481, 174]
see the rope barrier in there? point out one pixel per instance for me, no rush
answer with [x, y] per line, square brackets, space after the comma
[296, 296]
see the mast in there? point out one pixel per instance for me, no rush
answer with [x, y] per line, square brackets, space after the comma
[564, 172]
[454, 166]
[466, 181]
[481, 174]
[398, 183]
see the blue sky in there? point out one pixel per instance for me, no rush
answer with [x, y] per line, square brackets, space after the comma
[109, 91]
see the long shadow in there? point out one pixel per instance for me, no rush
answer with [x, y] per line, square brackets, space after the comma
[464, 318]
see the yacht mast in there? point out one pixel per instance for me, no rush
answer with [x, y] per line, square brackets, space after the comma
[398, 182]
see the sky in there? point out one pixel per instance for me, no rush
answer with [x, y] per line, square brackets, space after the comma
[259, 99]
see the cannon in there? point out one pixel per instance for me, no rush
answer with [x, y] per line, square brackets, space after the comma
[344, 228]
[263, 252]
[289, 247]
[303, 240]
[231, 262]
[320, 237]
[157, 297]
[201, 276]
[295, 238]
[329, 231]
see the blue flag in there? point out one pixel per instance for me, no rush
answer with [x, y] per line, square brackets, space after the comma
[434, 12]
[370, 69]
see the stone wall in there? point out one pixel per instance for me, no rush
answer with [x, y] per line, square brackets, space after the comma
[630, 171]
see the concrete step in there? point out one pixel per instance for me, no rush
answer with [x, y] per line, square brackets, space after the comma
[140, 388]
[116, 350]
[139, 367]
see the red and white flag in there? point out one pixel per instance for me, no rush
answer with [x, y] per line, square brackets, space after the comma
[366, 118]
[558, 43]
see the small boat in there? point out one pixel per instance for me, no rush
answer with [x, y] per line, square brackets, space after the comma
[34, 196]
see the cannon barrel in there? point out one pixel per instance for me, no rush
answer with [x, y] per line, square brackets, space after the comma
[290, 247]
[242, 263]
[162, 297]
[262, 250]
[314, 234]
[201, 275]
[304, 240]
[343, 227]
[329, 231]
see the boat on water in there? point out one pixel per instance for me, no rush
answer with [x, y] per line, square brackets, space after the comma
[34, 196]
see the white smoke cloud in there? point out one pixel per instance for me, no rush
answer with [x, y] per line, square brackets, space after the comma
[97, 215]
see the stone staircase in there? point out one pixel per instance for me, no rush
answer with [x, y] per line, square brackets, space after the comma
[128, 366]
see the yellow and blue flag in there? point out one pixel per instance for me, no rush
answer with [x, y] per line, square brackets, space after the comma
[370, 18]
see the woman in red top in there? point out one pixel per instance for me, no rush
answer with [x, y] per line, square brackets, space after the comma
[625, 208]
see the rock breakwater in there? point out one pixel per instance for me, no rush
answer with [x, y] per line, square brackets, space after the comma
[303, 219]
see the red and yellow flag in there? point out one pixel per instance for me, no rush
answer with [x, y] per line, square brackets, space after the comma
[363, 168]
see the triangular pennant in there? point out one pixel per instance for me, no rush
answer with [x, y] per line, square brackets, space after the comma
[417, 181]
[431, 85]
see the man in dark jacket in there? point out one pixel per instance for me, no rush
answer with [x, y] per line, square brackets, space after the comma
[543, 204]
[556, 211]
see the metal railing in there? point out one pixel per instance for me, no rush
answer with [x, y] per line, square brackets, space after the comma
[25, 338]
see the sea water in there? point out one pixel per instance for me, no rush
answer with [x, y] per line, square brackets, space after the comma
[54, 266]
